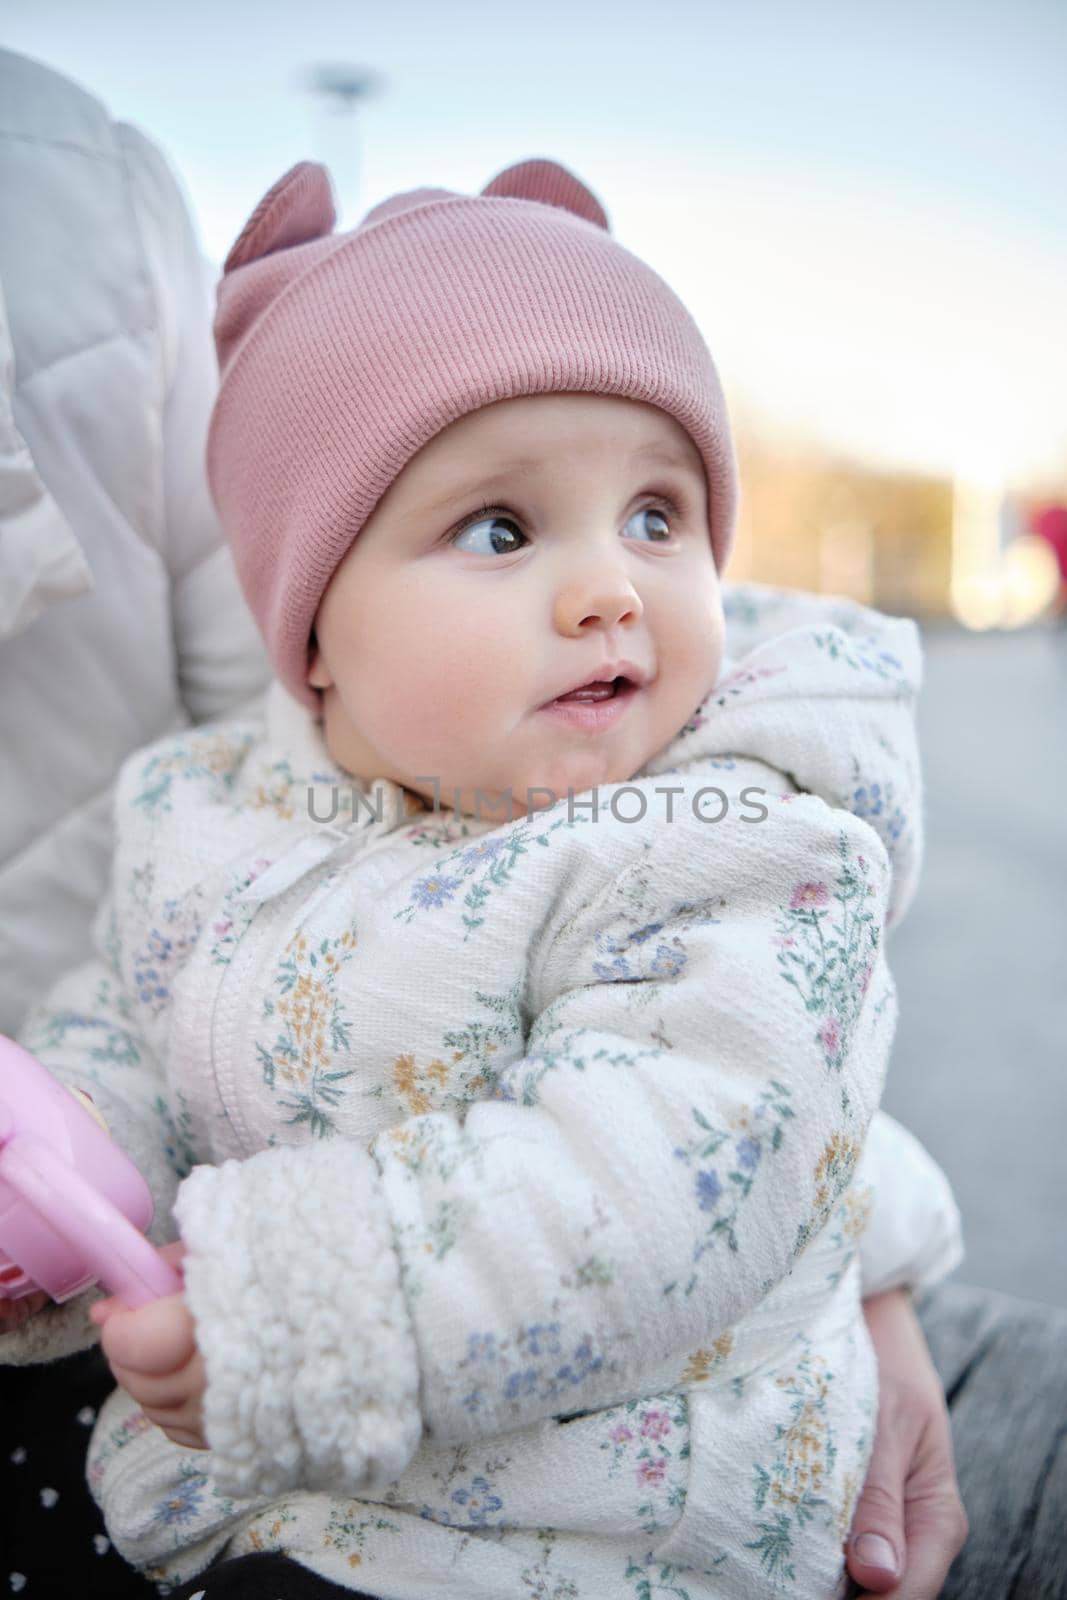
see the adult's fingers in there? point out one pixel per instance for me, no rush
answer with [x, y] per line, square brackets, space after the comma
[13, 1313]
[935, 1523]
[877, 1550]
[935, 1535]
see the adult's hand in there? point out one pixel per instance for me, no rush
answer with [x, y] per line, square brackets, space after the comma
[13, 1313]
[909, 1522]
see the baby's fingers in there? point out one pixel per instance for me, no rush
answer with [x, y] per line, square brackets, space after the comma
[156, 1340]
[165, 1394]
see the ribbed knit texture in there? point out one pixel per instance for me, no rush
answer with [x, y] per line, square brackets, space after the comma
[342, 355]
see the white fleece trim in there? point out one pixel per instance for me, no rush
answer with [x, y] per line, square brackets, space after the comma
[294, 1284]
[55, 1331]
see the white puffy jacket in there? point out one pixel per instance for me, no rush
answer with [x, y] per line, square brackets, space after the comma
[120, 615]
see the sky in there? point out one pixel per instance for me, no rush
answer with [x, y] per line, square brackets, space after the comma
[860, 201]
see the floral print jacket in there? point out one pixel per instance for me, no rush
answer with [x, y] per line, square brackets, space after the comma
[522, 1165]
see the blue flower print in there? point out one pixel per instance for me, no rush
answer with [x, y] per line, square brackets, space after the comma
[183, 1504]
[521, 1383]
[617, 972]
[748, 1153]
[875, 801]
[542, 1338]
[709, 1189]
[867, 802]
[585, 1363]
[149, 986]
[668, 963]
[484, 850]
[481, 1347]
[435, 890]
[479, 1501]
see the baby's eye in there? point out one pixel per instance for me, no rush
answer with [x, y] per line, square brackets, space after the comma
[658, 534]
[501, 538]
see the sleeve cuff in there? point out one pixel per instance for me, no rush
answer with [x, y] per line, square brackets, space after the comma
[914, 1237]
[294, 1283]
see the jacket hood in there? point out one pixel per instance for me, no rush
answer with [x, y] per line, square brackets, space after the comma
[816, 687]
[823, 689]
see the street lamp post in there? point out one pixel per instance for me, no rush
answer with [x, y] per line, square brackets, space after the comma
[339, 88]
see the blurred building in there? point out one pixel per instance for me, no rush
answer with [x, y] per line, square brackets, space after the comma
[904, 542]
[811, 521]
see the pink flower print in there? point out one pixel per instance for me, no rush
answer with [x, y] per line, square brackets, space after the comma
[784, 944]
[652, 1472]
[621, 1434]
[809, 894]
[830, 1034]
[862, 860]
[865, 979]
[655, 1425]
[222, 928]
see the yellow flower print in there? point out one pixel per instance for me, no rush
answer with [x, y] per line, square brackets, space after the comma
[275, 798]
[789, 1490]
[463, 1067]
[846, 1511]
[702, 1363]
[800, 1464]
[834, 1168]
[857, 1206]
[833, 1172]
[412, 1084]
[313, 1029]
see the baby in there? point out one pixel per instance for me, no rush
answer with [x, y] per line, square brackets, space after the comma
[503, 1009]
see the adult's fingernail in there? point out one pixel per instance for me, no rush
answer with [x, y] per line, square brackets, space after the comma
[874, 1551]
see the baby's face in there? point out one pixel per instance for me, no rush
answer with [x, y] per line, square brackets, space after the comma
[529, 547]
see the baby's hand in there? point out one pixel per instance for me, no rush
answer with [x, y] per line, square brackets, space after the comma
[153, 1355]
[86, 1100]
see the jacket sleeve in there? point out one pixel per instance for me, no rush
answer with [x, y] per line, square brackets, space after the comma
[86, 1033]
[913, 1236]
[707, 1046]
[220, 659]
[161, 1508]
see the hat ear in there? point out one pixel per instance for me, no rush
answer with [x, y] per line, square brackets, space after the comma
[552, 185]
[298, 208]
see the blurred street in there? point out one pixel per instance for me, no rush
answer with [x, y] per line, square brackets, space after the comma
[979, 1068]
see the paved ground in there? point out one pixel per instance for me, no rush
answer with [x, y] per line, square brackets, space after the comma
[979, 1068]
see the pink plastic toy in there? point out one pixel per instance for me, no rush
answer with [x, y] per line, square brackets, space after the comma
[73, 1207]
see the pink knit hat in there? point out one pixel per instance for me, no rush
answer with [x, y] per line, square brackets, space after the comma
[342, 355]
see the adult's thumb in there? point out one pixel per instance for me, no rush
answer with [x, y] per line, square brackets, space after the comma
[876, 1546]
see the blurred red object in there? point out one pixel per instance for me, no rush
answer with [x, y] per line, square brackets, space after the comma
[1050, 523]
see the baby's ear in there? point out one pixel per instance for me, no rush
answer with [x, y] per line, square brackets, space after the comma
[297, 212]
[298, 208]
[552, 185]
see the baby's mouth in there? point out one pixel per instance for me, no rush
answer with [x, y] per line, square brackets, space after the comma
[595, 691]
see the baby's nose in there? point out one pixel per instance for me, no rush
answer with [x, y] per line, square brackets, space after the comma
[603, 597]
